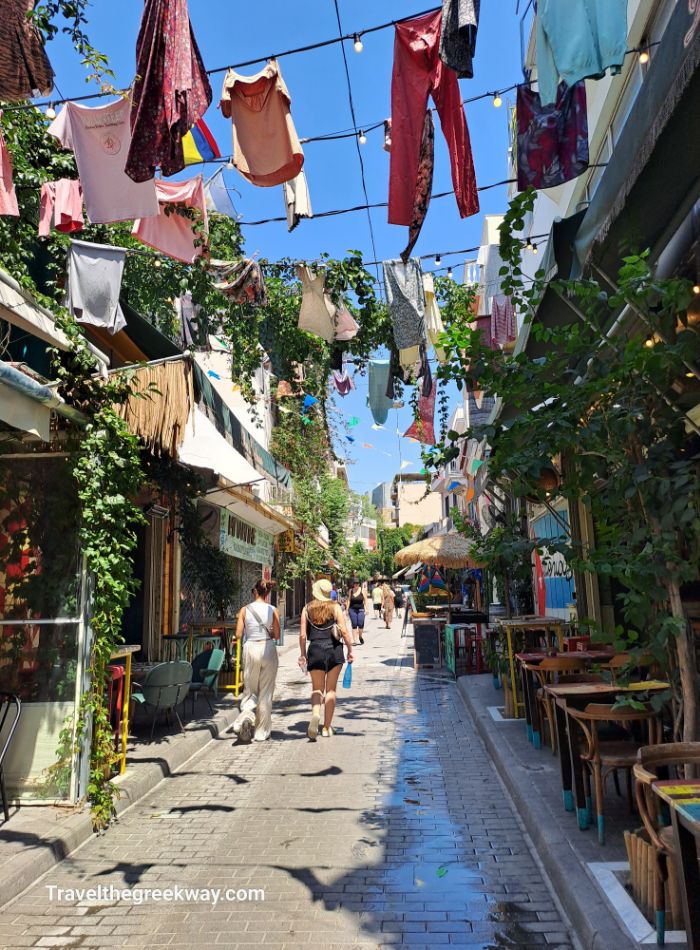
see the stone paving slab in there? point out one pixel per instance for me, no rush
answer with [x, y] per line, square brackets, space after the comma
[394, 833]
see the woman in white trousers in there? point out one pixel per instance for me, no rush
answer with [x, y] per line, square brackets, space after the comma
[259, 627]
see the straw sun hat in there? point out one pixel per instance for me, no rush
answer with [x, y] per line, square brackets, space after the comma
[321, 590]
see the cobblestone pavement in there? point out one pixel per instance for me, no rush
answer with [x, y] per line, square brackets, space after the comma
[395, 832]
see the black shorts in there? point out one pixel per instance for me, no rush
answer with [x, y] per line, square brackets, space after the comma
[324, 655]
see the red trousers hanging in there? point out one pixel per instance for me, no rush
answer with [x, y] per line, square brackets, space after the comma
[419, 71]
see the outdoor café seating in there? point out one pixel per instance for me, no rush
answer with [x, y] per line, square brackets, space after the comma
[164, 688]
[654, 763]
[602, 756]
[206, 667]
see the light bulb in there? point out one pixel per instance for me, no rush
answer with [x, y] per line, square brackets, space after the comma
[50, 112]
[690, 375]
[156, 262]
[534, 249]
[497, 101]
[644, 56]
[449, 272]
[229, 165]
[362, 138]
[696, 288]
[357, 43]
[438, 260]
[529, 246]
[649, 342]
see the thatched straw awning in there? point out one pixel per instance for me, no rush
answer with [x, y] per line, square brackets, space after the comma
[444, 550]
[161, 404]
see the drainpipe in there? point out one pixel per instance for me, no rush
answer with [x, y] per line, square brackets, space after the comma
[39, 392]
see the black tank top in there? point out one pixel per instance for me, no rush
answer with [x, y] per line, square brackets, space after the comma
[357, 601]
[318, 633]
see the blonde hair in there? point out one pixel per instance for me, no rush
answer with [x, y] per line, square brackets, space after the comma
[320, 612]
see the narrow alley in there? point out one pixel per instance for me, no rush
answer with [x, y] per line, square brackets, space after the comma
[394, 832]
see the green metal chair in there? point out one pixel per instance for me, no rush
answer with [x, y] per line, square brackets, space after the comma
[206, 667]
[163, 689]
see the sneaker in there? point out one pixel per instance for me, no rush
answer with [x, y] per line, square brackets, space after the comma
[362, 641]
[312, 731]
[327, 732]
[245, 733]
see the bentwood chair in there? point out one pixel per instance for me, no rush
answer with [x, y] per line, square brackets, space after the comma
[600, 756]
[553, 669]
[656, 762]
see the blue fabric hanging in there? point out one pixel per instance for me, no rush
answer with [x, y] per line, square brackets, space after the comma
[379, 402]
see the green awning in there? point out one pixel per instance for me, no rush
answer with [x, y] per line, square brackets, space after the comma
[652, 179]
[231, 428]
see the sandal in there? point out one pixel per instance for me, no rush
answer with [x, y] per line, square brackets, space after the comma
[327, 731]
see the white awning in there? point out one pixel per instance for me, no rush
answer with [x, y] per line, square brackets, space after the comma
[204, 447]
[24, 413]
[18, 308]
[250, 510]
[413, 569]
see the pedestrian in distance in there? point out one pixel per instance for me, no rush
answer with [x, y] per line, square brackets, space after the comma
[387, 604]
[358, 608]
[398, 602]
[377, 598]
[258, 628]
[322, 632]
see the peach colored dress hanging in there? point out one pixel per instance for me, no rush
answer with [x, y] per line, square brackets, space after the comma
[266, 148]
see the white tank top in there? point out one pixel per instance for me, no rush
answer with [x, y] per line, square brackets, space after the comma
[257, 614]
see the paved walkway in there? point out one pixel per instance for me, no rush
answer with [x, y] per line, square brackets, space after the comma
[395, 832]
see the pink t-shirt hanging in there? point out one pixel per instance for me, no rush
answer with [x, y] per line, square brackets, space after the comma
[173, 233]
[100, 136]
[8, 198]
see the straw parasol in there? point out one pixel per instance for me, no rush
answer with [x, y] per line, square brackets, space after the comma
[445, 550]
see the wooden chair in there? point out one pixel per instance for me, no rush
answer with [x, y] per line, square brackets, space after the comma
[621, 662]
[668, 760]
[553, 669]
[603, 756]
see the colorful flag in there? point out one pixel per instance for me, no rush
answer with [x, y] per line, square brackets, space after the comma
[406, 464]
[309, 401]
[349, 438]
[367, 445]
[199, 145]
[353, 421]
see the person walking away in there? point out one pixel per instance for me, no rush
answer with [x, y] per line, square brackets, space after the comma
[387, 604]
[323, 627]
[377, 598]
[258, 627]
[398, 602]
[358, 608]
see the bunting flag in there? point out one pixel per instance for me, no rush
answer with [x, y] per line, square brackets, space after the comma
[199, 145]
[367, 445]
[349, 438]
[309, 401]
[423, 429]
[353, 421]
[212, 374]
[406, 464]
[453, 485]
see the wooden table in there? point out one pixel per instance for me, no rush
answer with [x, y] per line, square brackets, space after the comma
[125, 653]
[525, 626]
[683, 798]
[528, 663]
[579, 695]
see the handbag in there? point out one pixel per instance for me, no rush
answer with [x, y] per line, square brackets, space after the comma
[336, 634]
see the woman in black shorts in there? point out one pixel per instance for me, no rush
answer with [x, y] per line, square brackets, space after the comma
[358, 608]
[324, 658]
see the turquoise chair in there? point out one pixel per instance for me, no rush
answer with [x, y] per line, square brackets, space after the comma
[165, 687]
[206, 667]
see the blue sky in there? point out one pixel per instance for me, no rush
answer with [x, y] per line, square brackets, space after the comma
[229, 33]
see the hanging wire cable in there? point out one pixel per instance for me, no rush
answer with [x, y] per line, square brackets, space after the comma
[357, 140]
